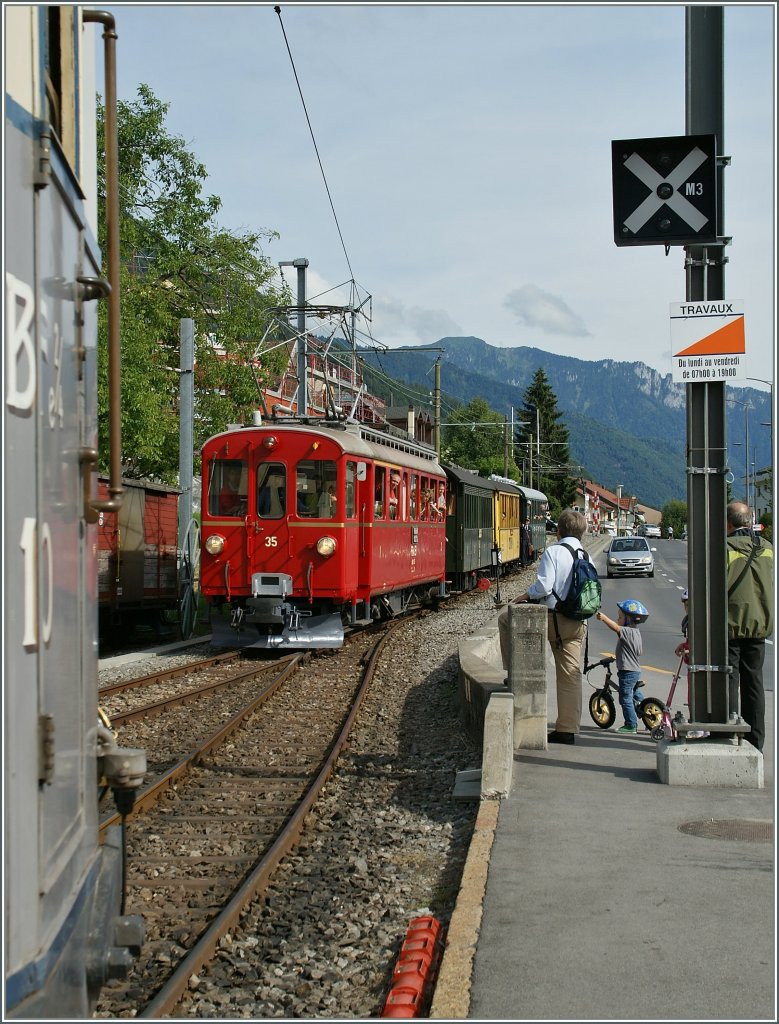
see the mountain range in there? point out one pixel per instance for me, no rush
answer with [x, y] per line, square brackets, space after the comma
[627, 422]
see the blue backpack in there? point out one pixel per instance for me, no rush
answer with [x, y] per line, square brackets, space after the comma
[584, 594]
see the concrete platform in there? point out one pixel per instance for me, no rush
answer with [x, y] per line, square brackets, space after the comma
[597, 892]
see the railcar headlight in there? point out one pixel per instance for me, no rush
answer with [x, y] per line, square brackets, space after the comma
[215, 544]
[326, 546]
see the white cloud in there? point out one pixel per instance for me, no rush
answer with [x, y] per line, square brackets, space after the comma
[394, 321]
[536, 308]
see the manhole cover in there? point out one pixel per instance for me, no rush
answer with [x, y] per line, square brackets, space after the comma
[741, 829]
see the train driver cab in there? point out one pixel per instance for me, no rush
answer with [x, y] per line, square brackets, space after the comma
[228, 488]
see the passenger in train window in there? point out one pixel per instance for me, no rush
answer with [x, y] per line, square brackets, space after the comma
[427, 504]
[393, 494]
[441, 502]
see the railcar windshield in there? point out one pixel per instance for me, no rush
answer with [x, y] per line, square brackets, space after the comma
[228, 488]
[315, 486]
[271, 490]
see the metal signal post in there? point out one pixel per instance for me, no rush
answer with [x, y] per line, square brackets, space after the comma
[706, 441]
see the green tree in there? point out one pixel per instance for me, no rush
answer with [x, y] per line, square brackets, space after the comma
[480, 442]
[674, 514]
[544, 438]
[177, 262]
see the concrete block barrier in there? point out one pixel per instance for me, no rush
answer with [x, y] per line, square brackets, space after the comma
[501, 718]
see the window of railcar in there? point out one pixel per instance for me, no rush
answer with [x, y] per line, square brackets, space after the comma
[315, 493]
[228, 488]
[413, 497]
[487, 511]
[394, 493]
[428, 499]
[380, 493]
[451, 503]
[271, 490]
[470, 518]
[440, 502]
[351, 489]
[403, 505]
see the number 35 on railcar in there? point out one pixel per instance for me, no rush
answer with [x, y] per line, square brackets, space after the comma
[309, 526]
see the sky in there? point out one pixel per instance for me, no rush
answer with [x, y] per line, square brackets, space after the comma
[467, 152]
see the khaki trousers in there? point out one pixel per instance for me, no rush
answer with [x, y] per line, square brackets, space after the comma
[568, 665]
[568, 670]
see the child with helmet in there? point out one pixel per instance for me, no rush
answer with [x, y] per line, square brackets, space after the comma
[628, 654]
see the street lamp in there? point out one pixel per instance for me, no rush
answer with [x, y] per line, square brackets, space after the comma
[619, 504]
[737, 444]
[770, 425]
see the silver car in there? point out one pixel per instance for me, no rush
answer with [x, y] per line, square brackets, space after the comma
[629, 556]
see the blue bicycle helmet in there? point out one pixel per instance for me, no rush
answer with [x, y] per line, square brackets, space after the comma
[685, 595]
[633, 610]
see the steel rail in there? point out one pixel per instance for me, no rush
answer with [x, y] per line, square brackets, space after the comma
[149, 796]
[149, 710]
[171, 673]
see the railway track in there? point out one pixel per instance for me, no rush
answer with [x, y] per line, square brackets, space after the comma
[206, 837]
[155, 678]
[384, 843]
[176, 689]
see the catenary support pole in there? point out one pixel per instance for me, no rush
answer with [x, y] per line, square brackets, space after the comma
[301, 265]
[437, 409]
[186, 421]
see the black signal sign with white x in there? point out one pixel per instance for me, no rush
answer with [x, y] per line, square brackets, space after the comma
[665, 190]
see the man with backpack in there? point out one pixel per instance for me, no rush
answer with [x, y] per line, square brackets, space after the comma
[571, 596]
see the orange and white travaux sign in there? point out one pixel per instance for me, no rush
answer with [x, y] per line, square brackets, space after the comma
[707, 341]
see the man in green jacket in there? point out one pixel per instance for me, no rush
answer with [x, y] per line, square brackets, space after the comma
[750, 616]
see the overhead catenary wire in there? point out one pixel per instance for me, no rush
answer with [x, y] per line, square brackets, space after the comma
[313, 139]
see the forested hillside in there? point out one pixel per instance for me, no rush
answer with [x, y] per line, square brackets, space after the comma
[627, 422]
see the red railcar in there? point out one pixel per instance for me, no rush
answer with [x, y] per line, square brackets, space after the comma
[309, 525]
[137, 555]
